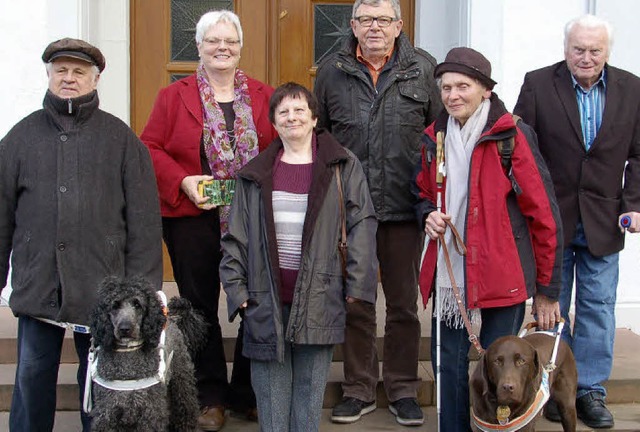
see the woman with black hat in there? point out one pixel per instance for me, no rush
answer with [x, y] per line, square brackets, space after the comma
[502, 204]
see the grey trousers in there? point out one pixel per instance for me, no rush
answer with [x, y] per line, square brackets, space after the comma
[289, 395]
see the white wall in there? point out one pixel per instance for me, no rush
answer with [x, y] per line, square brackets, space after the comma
[27, 27]
[518, 36]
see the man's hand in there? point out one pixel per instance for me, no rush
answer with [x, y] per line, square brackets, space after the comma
[546, 311]
[434, 224]
[189, 186]
[634, 227]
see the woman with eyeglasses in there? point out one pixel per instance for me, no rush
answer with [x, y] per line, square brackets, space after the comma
[206, 127]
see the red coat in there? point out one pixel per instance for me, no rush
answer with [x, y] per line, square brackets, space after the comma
[173, 134]
[514, 242]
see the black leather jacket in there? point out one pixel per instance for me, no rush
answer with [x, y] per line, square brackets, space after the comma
[382, 126]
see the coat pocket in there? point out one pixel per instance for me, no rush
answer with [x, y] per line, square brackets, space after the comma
[326, 302]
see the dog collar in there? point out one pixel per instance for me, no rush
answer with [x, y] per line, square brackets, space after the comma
[130, 346]
[542, 396]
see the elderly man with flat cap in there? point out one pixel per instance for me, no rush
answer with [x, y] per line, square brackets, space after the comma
[502, 204]
[78, 202]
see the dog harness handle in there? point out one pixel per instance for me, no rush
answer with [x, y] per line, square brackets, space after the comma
[458, 243]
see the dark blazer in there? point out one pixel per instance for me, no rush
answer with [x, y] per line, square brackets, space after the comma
[588, 184]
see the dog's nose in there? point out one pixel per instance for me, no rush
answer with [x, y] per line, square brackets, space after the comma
[124, 330]
[508, 387]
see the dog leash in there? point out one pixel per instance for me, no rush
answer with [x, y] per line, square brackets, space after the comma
[126, 385]
[76, 328]
[458, 244]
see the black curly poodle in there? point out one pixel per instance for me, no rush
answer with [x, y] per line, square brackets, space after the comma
[126, 327]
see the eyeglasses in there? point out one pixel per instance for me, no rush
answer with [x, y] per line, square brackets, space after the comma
[215, 42]
[367, 21]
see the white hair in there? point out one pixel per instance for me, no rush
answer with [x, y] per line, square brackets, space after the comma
[590, 22]
[212, 18]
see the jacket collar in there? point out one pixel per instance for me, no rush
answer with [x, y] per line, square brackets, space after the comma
[188, 90]
[81, 107]
[259, 169]
[403, 50]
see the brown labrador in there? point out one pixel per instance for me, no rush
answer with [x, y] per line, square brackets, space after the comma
[509, 375]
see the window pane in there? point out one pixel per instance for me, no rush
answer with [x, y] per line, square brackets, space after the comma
[331, 26]
[184, 17]
[176, 77]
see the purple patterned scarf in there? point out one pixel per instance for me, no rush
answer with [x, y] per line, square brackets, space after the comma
[225, 159]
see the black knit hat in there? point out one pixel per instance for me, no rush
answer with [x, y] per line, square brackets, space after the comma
[469, 62]
[74, 48]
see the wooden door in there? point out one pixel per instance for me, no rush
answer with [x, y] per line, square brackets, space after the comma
[283, 41]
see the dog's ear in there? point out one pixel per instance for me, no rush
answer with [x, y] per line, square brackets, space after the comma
[102, 330]
[479, 379]
[154, 319]
[535, 375]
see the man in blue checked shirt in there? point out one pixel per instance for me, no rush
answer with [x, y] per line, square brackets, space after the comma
[587, 117]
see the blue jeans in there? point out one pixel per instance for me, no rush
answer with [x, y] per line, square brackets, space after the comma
[33, 406]
[289, 395]
[594, 327]
[454, 361]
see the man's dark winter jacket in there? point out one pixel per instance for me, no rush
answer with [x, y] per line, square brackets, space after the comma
[78, 202]
[250, 271]
[382, 127]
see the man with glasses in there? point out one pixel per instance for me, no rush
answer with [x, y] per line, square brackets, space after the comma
[376, 97]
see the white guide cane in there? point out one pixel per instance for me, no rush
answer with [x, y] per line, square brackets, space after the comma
[440, 174]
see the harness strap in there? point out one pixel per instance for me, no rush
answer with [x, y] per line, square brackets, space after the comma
[549, 367]
[458, 243]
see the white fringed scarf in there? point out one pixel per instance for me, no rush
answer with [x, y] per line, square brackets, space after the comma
[459, 145]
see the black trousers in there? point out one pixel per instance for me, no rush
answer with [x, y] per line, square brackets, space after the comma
[194, 248]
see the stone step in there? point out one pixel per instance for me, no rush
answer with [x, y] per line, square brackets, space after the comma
[622, 388]
[627, 419]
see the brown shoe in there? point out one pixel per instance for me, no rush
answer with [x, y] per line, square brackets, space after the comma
[211, 418]
[252, 414]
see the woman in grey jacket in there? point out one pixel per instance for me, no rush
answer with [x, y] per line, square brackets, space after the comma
[281, 267]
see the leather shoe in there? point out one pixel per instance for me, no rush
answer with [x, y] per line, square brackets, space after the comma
[252, 414]
[211, 418]
[593, 411]
[550, 411]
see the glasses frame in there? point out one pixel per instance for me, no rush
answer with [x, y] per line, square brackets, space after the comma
[216, 42]
[376, 19]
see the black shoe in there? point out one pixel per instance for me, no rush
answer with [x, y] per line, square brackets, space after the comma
[593, 412]
[550, 411]
[350, 410]
[407, 412]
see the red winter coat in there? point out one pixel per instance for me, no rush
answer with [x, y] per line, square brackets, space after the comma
[514, 241]
[173, 134]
